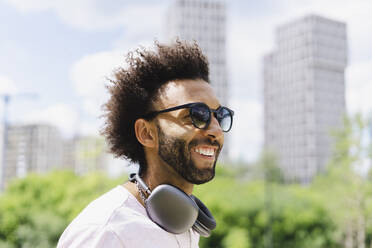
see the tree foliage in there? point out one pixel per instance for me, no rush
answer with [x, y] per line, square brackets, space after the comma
[299, 219]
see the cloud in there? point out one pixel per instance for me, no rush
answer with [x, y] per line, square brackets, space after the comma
[97, 14]
[89, 76]
[60, 115]
[87, 128]
[31, 6]
[7, 86]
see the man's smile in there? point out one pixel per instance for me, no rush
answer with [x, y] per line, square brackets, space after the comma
[205, 152]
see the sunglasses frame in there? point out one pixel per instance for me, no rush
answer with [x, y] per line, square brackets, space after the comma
[189, 106]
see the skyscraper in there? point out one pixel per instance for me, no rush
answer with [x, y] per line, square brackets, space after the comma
[304, 94]
[205, 22]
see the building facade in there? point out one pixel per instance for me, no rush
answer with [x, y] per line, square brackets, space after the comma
[31, 148]
[203, 21]
[40, 148]
[304, 94]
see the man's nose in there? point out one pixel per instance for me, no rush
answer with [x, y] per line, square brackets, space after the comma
[214, 129]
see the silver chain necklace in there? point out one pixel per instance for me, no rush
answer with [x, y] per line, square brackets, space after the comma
[143, 197]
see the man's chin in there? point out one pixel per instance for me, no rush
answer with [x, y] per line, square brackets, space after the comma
[203, 180]
[200, 176]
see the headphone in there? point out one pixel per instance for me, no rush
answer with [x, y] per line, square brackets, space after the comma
[175, 211]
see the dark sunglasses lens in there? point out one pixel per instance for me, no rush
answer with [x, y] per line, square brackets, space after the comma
[224, 117]
[200, 115]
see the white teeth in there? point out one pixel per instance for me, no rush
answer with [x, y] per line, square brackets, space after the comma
[205, 151]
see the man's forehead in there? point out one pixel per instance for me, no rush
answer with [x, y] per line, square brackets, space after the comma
[179, 92]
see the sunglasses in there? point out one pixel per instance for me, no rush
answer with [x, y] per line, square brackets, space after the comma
[201, 115]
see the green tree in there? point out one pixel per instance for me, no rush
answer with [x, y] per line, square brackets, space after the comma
[35, 210]
[299, 217]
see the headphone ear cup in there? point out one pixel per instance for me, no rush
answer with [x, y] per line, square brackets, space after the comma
[171, 208]
[205, 222]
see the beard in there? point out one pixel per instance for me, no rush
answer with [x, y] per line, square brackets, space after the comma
[177, 154]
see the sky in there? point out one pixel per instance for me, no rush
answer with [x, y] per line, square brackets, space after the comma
[56, 55]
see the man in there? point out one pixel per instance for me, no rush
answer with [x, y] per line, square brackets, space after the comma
[163, 115]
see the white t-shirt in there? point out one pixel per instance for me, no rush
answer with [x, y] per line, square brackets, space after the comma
[117, 219]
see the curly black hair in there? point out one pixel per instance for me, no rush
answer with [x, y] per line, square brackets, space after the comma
[134, 89]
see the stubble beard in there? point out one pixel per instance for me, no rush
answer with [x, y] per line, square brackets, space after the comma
[177, 154]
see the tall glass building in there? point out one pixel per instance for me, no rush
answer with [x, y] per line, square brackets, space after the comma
[304, 94]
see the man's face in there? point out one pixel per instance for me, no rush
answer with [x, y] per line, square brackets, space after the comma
[190, 151]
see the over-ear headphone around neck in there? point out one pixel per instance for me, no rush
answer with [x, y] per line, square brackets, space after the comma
[175, 211]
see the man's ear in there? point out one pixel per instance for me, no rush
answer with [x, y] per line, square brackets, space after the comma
[144, 133]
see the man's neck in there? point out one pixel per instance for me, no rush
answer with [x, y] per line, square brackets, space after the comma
[155, 178]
